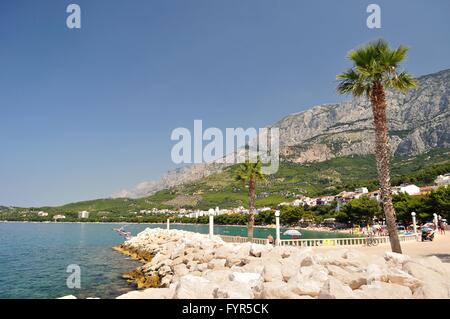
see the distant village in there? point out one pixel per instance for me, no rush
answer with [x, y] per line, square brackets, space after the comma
[340, 199]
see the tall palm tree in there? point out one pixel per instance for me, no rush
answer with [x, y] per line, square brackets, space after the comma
[249, 172]
[375, 68]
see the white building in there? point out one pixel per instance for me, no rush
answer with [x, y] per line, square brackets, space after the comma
[83, 215]
[42, 214]
[362, 190]
[442, 180]
[59, 217]
[409, 189]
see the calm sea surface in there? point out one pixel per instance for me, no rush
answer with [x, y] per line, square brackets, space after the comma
[34, 257]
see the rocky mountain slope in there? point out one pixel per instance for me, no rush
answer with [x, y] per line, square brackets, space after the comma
[418, 121]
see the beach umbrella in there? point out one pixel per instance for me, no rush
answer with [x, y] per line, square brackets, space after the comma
[292, 232]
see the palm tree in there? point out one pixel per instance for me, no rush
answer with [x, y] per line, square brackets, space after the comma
[249, 172]
[375, 68]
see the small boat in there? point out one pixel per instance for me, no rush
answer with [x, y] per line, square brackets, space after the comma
[123, 233]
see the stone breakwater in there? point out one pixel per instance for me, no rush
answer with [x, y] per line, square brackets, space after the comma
[188, 265]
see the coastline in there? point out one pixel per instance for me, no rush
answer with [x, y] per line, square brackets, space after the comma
[315, 229]
[187, 265]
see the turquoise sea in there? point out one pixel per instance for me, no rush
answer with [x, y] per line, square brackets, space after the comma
[34, 257]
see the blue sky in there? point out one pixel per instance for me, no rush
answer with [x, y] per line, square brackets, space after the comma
[85, 113]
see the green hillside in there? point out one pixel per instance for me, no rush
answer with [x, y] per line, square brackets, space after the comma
[325, 178]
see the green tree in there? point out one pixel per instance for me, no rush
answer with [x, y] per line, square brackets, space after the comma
[291, 215]
[405, 204]
[375, 69]
[265, 218]
[438, 201]
[249, 172]
[361, 209]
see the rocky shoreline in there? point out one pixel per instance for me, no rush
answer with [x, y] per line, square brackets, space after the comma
[186, 265]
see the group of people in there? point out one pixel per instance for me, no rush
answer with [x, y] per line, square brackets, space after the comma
[381, 230]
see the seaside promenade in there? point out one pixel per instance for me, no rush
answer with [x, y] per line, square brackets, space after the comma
[440, 248]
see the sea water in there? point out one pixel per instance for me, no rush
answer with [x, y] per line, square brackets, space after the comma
[34, 257]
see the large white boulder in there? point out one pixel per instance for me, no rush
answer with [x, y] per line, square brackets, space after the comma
[432, 291]
[277, 290]
[395, 258]
[305, 285]
[252, 280]
[233, 290]
[334, 289]
[400, 277]
[289, 269]
[256, 250]
[217, 264]
[272, 272]
[194, 287]
[383, 290]
[374, 272]
[218, 275]
[435, 264]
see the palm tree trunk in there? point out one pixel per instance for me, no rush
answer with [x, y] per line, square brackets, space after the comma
[382, 155]
[251, 208]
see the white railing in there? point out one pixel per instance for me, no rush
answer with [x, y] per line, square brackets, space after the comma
[356, 241]
[238, 239]
[321, 242]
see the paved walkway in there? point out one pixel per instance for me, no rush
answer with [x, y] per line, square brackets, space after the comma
[440, 248]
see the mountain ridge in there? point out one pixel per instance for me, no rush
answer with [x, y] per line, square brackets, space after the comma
[418, 121]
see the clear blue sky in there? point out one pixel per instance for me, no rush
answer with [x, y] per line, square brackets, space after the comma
[85, 113]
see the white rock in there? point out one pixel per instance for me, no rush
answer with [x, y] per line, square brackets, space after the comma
[150, 293]
[217, 264]
[254, 266]
[375, 273]
[68, 297]
[180, 270]
[308, 261]
[423, 273]
[289, 269]
[250, 279]
[233, 290]
[218, 276]
[382, 290]
[435, 264]
[277, 290]
[272, 272]
[194, 287]
[431, 291]
[256, 250]
[305, 285]
[396, 258]
[202, 267]
[334, 289]
[402, 278]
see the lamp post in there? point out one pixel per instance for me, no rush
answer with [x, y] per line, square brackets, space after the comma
[413, 214]
[211, 225]
[277, 223]
[168, 223]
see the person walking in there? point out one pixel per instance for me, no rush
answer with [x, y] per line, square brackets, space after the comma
[441, 227]
[270, 239]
